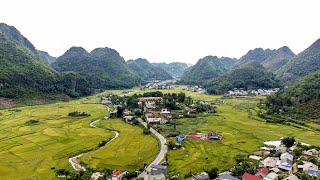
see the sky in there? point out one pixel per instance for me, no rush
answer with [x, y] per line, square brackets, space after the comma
[165, 30]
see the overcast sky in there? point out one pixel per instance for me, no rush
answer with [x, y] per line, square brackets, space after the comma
[165, 30]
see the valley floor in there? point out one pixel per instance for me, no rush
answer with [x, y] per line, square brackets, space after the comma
[35, 151]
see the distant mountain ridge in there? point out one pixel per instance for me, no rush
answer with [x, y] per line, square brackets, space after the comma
[270, 59]
[175, 69]
[104, 68]
[147, 71]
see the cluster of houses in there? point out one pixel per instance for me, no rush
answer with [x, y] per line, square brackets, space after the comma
[197, 89]
[271, 167]
[149, 107]
[258, 92]
[167, 84]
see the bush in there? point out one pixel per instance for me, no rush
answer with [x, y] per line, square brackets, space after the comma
[78, 114]
[146, 131]
[31, 122]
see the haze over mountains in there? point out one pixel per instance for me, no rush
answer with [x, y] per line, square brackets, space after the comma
[78, 72]
[147, 71]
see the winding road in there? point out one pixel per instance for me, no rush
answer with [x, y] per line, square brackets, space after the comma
[162, 153]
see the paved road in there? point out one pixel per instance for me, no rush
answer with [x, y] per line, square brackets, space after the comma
[162, 153]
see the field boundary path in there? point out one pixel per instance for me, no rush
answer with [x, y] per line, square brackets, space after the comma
[73, 160]
[162, 153]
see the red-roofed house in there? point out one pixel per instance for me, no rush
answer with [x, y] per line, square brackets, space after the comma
[247, 176]
[263, 172]
[117, 175]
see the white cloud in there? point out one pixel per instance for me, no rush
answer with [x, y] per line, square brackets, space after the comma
[166, 30]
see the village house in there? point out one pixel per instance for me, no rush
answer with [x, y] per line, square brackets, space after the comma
[126, 112]
[311, 152]
[270, 162]
[263, 172]
[144, 99]
[271, 176]
[118, 175]
[286, 165]
[226, 176]
[150, 105]
[156, 121]
[312, 172]
[158, 171]
[165, 112]
[200, 176]
[292, 177]
[128, 119]
[106, 101]
[247, 176]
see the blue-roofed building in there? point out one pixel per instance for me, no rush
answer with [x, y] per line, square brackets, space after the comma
[286, 165]
[313, 172]
[180, 138]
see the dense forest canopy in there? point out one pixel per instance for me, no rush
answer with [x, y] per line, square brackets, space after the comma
[103, 68]
[206, 68]
[302, 98]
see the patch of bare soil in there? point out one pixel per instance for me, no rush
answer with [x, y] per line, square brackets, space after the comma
[9, 103]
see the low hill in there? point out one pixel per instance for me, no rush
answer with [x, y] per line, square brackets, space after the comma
[206, 68]
[103, 68]
[147, 71]
[304, 63]
[23, 75]
[302, 99]
[270, 59]
[251, 75]
[175, 69]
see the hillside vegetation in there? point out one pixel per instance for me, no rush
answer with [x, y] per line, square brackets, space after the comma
[24, 75]
[147, 71]
[103, 68]
[46, 57]
[303, 64]
[206, 68]
[251, 75]
[301, 99]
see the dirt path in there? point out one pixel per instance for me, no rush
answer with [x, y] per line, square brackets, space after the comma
[73, 160]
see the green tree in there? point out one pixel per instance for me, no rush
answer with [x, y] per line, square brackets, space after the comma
[288, 141]
[213, 173]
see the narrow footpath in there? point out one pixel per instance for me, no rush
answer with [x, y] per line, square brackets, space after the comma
[73, 160]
